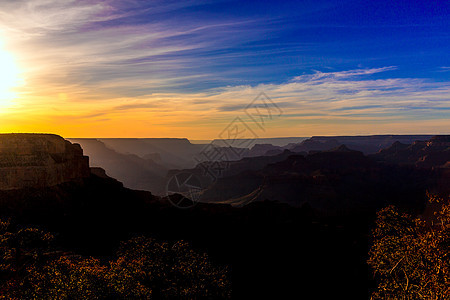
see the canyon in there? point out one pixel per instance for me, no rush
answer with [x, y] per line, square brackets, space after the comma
[39, 160]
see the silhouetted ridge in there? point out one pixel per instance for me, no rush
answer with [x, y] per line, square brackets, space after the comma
[426, 154]
[342, 148]
[135, 172]
[303, 218]
[367, 144]
[396, 146]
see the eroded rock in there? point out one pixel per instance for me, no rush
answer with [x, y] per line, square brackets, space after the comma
[39, 160]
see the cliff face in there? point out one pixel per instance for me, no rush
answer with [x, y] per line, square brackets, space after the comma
[39, 160]
[337, 182]
[367, 144]
[434, 152]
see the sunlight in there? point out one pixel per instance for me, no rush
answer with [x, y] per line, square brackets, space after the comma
[9, 77]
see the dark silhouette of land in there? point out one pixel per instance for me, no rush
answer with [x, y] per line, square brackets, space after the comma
[144, 163]
[286, 224]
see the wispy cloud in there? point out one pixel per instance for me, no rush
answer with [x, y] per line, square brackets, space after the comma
[157, 64]
[111, 48]
[331, 96]
[342, 74]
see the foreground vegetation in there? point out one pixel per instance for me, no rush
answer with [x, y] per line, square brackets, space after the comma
[143, 268]
[411, 256]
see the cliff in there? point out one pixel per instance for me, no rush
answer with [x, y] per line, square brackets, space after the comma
[434, 152]
[135, 172]
[39, 160]
[367, 144]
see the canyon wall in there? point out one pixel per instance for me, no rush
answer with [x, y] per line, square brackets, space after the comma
[39, 160]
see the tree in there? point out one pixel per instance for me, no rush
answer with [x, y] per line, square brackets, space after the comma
[148, 267]
[143, 269]
[69, 277]
[411, 257]
[20, 250]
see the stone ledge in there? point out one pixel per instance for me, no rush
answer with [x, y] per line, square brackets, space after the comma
[39, 160]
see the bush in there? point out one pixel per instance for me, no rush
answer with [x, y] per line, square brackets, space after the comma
[411, 257]
[144, 269]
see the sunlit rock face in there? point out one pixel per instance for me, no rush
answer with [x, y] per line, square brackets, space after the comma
[39, 160]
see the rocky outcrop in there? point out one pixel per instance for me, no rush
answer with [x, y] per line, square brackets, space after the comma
[367, 144]
[263, 149]
[135, 172]
[336, 182]
[313, 144]
[434, 152]
[39, 160]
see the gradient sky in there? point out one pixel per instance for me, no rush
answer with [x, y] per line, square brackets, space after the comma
[188, 68]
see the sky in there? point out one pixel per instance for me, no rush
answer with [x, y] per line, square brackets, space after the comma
[190, 68]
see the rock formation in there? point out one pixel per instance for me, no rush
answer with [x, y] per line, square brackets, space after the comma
[434, 152]
[367, 144]
[39, 160]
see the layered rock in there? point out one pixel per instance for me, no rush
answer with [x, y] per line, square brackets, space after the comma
[264, 149]
[336, 182]
[434, 152]
[39, 160]
[367, 144]
[135, 172]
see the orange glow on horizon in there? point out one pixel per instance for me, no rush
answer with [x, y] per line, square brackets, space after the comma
[73, 110]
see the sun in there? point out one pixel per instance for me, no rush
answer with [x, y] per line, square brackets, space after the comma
[9, 77]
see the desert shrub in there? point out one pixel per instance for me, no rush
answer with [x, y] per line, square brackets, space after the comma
[411, 257]
[144, 268]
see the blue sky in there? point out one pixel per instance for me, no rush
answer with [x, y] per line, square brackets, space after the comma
[90, 59]
[252, 42]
